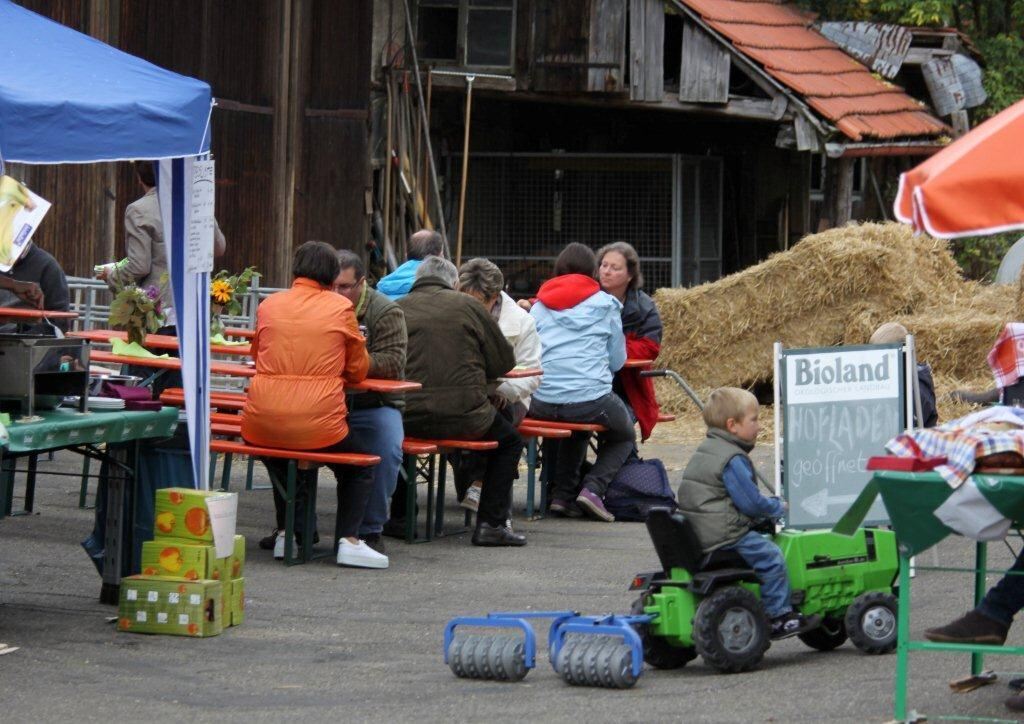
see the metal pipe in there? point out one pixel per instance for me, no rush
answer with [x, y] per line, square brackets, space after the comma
[465, 167]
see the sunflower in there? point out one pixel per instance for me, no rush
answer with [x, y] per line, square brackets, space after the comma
[221, 291]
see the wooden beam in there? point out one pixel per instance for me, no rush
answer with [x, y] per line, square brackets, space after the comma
[285, 141]
[102, 26]
[838, 190]
[757, 109]
[920, 56]
[457, 81]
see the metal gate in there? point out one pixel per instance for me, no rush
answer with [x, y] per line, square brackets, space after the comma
[522, 209]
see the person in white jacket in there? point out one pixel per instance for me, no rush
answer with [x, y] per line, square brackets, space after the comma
[483, 280]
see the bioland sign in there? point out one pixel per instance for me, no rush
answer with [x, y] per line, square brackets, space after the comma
[840, 406]
[840, 375]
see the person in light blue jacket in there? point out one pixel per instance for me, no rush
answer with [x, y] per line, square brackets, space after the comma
[422, 244]
[582, 347]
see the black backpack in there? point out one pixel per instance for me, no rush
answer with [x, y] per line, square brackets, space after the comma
[639, 486]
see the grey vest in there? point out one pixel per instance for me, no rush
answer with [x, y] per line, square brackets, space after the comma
[703, 498]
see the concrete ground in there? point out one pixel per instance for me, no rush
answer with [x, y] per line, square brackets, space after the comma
[322, 643]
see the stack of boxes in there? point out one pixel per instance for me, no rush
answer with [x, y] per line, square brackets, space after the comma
[184, 588]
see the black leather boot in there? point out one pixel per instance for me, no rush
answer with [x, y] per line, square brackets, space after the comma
[496, 535]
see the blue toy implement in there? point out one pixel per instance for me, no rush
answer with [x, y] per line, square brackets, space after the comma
[585, 650]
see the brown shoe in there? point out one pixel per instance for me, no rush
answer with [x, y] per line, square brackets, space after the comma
[1015, 703]
[971, 628]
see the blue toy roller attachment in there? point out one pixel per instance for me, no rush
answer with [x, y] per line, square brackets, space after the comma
[586, 650]
[598, 650]
[500, 657]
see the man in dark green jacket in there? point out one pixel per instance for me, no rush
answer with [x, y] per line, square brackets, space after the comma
[455, 349]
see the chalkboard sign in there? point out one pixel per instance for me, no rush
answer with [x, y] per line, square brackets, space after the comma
[840, 405]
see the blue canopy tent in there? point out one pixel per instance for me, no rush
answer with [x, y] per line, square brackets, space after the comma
[68, 98]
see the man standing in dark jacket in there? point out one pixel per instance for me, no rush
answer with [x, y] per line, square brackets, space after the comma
[455, 348]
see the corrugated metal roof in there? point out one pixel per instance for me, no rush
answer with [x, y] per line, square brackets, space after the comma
[779, 37]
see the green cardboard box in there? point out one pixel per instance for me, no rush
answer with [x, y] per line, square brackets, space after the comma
[182, 513]
[174, 606]
[237, 601]
[236, 563]
[184, 559]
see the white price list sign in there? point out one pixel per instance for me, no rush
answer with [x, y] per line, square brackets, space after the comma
[199, 246]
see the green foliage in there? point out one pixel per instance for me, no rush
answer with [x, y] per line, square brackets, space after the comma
[1004, 73]
[980, 256]
[137, 311]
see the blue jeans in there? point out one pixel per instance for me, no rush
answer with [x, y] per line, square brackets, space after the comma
[1005, 599]
[766, 559]
[378, 431]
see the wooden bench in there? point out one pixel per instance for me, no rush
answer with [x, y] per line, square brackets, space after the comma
[288, 490]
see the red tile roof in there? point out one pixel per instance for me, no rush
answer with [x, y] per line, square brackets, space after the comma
[780, 39]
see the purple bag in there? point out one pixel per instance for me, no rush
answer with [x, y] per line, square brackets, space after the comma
[639, 487]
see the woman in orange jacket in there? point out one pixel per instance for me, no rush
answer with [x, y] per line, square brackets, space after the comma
[307, 346]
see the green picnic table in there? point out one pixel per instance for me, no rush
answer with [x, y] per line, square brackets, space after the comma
[119, 432]
[912, 500]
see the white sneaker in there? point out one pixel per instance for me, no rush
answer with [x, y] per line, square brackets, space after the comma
[471, 501]
[360, 555]
[279, 547]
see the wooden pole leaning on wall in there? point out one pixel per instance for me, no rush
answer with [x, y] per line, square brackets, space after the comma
[465, 168]
[387, 165]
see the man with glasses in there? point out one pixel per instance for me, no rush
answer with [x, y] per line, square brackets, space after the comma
[375, 420]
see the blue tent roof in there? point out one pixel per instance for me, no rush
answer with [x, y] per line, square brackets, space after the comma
[68, 98]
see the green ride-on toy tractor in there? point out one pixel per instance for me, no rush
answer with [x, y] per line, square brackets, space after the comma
[710, 604]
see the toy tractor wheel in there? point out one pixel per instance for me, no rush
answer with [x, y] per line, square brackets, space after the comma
[830, 635]
[871, 622]
[658, 652]
[730, 630]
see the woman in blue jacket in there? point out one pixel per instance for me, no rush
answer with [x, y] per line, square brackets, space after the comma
[582, 347]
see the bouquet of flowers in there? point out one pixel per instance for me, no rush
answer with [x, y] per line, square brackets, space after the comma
[226, 294]
[138, 311]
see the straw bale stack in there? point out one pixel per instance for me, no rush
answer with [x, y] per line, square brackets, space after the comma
[722, 333]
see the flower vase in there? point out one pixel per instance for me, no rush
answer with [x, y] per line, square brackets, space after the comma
[216, 325]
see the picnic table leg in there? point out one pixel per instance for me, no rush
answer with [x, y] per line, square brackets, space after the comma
[902, 642]
[309, 515]
[225, 475]
[4, 484]
[431, 472]
[289, 516]
[442, 476]
[531, 474]
[249, 469]
[7, 485]
[83, 491]
[30, 484]
[980, 564]
[410, 498]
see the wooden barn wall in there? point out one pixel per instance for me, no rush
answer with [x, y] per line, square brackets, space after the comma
[233, 46]
[77, 230]
[334, 175]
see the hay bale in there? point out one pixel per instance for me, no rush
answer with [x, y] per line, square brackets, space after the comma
[722, 333]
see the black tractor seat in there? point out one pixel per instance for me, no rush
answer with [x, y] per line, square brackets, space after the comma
[677, 547]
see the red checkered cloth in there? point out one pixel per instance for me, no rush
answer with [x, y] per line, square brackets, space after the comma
[1007, 356]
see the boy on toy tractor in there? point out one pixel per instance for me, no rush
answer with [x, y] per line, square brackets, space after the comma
[725, 592]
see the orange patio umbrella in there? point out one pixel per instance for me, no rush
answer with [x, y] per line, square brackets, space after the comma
[974, 186]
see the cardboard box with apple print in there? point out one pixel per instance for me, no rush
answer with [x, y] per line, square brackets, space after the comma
[175, 606]
[182, 513]
[237, 601]
[183, 559]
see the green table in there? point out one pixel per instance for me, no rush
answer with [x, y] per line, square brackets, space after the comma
[65, 429]
[911, 500]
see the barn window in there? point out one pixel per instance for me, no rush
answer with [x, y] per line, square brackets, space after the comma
[469, 33]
